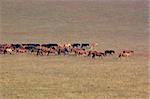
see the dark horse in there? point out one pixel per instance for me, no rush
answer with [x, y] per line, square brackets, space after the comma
[39, 52]
[64, 51]
[96, 53]
[99, 54]
[76, 45]
[109, 52]
[85, 45]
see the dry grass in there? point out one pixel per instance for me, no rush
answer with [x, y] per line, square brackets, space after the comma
[59, 77]
[117, 25]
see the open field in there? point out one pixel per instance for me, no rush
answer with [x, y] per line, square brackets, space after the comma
[59, 77]
[115, 24]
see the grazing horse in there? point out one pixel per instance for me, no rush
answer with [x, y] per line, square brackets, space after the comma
[45, 50]
[39, 52]
[128, 51]
[81, 52]
[109, 52]
[8, 50]
[96, 53]
[67, 45]
[91, 53]
[51, 50]
[63, 51]
[78, 51]
[124, 55]
[22, 50]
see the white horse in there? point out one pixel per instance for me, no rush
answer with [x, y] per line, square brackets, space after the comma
[93, 45]
[8, 50]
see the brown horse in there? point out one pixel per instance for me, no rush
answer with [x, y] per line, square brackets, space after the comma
[52, 51]
[96, 53]
[126, 53]
[79, 51]
[21, 50]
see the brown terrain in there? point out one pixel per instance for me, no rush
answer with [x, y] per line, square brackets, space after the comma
[113, 24]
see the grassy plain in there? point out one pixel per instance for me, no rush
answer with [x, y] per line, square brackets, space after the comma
[113, 24]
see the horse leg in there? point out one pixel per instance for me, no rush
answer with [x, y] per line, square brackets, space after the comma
[101, 56]
[37, 53]
[93, 56]
[41, 53]
[48, 53]
[64, 53]
[119, 55]
[5, 52]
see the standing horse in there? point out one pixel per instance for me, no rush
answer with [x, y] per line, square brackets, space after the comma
[85, 45]
[51, 50]
[109, 52]
[99, 54]
[81, 52]
[126, 53]
[93, 45]
[8, 50]
[62, 51]
[78, 51]
[39, 52]
[21, 50]
[96, 53]
[76, 45]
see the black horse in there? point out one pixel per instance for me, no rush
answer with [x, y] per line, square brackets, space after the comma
[49, 45]
[109, 52]
[76, 45]
[85, 45]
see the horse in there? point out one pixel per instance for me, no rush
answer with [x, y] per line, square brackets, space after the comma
[39, 52]
[51, 50]
[128, 51]
[99, 54]
[49, 45]
[85, 45]
[76, 45]
[8, 50]
[93, 45]
[78, 51]
[96, 53]
[91, 52]
[109, 52]
[124, 54]
[21, 50]
[63, 51]
[81, 52]
[67, 45]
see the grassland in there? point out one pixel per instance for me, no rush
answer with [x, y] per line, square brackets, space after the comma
[115, 24]
[58, 77]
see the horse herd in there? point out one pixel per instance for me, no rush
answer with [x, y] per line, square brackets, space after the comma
[77, 49]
